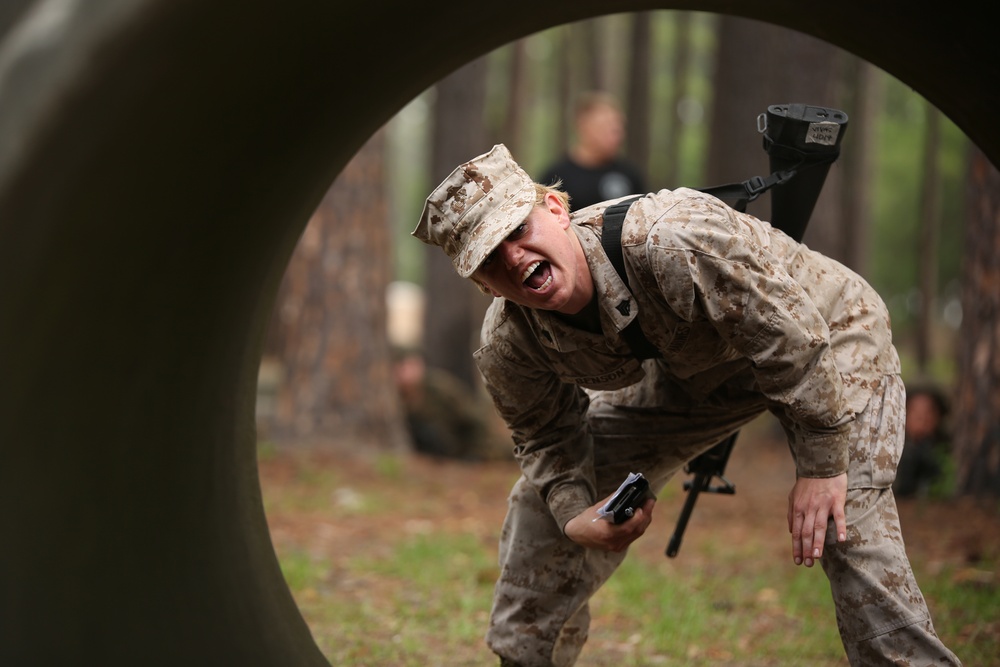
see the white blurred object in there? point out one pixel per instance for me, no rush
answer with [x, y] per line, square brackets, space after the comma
[405, 314]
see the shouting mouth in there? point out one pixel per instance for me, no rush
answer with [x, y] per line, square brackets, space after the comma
[537, 276]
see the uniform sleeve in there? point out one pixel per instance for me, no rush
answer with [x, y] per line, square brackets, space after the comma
[546, 417]
[710, 262]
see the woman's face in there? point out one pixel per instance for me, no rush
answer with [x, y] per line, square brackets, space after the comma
[541, 263]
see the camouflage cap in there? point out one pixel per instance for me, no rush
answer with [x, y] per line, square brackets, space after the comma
[476, 208]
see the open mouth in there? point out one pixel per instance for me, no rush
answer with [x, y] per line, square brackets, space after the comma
[537, 276]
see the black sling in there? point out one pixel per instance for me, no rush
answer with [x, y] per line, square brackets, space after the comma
[611, 239]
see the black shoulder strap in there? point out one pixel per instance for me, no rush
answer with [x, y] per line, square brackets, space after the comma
[738, 195]
[611, 234]
[611, 239]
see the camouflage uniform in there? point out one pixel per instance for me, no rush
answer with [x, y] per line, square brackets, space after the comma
[747, 320]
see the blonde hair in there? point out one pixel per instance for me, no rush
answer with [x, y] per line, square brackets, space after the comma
[542, 190]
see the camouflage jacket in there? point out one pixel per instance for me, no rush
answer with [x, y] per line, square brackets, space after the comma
[726, 299]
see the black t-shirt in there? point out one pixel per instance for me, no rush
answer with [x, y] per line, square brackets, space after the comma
[587, 185]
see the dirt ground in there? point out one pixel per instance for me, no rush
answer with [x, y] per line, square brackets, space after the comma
[960, 535]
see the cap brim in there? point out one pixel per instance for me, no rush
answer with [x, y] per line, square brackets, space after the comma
[493, 230]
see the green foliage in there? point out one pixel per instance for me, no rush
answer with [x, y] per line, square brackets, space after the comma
[389, 467]
[266, 450]
[300, 571]
[730, 610]
[897, 196]
[430, 586]
[406, 577]
[965, 604]
[942, 369]
[408, 183]
[692, 112]
[707, 613]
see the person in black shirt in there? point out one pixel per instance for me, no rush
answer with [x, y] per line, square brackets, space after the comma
[592, 170]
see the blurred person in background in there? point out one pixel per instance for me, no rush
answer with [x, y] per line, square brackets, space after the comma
[445, 418]
[593, 170]
[925, 465]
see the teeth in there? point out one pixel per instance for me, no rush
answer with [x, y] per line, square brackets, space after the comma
[528, 271]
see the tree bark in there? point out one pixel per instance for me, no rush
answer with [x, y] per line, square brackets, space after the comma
[743, 82]
[977, 401]
[326, 354]
[856, 162]
[454, 307]
[565, 90]
[513, 131]
[585, 46]
[637, 111]
[927, 250]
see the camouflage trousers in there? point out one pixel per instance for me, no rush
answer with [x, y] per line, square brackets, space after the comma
[540, 615]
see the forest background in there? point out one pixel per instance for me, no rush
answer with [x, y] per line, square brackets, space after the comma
[391, 556]
[911, 205]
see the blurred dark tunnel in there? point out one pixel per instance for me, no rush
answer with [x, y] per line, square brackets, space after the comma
[158, 161]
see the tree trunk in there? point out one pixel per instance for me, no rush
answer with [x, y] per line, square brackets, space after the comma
[585, 46]
[563, 38]
[977, 402]
[856, 162]
[327, 355]
[743, 81]
[513, 132]
[454, 306]
[678, 93]
[637, 111]
[927, 255]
